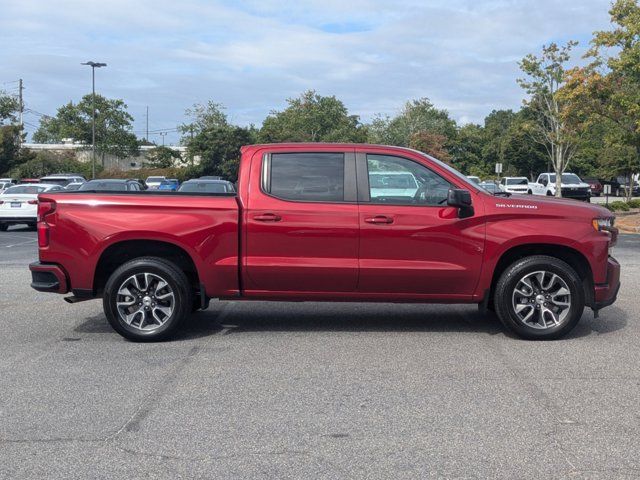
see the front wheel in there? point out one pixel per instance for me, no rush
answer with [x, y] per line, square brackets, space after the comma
[539, 298]
[147, 298]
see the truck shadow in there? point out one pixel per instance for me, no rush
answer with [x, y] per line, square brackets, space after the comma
[246, 317]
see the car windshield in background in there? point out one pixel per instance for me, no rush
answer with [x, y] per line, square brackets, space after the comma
[517, 181]
[24, 189]
[204, 187]
[104, 186]
[155, 179]
[566, 178]
[63, 182]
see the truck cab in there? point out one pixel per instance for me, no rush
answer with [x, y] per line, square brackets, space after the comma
[572, 186]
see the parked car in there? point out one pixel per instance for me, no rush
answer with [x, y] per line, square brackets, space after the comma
[154, 182]
[169, 185]
[5, 185]
[63, 179]
[29, 180]
[474, 179]
[142, 183]
[490, 187]
[210, 177]
[594, 185]
[10, 180]
[19, 204]
[206, 186]
[74, 186]
[515, 185]
[154, 258]
[111, 185]
[572, 186]
[623, 187]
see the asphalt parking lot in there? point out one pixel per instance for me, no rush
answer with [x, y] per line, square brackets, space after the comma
[261, 390]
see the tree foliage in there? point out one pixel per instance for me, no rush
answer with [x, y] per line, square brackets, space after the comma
[312, 118]
[114, 134]
[553, 126]
[215, 141]
[162, 157]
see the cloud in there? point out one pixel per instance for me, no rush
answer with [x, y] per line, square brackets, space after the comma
[252, 55]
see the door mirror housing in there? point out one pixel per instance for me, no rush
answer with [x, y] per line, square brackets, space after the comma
[461, 199]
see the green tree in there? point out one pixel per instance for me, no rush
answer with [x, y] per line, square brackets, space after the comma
[8, 107]
[162, 157]
[609, 89]
[417, 116]
[553, 127]
[313, 118]
[467, 151]
[114, 134]
[11, 136]
[520, 154]
[211, 138]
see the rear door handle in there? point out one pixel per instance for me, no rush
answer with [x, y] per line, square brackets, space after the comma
[267, 217]
[383, 219]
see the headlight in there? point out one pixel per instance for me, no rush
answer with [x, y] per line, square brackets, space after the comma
[603, 224]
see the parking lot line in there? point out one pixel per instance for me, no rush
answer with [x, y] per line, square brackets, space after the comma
[22, 243]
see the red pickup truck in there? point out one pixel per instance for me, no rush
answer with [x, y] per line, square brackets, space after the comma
[329, 222]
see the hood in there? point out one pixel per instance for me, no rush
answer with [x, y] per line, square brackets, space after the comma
[544, 205]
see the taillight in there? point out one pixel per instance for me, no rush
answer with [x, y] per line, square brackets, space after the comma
[45, 207]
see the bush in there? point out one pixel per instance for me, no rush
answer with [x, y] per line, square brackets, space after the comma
[47, 163]
[635, 203]
[618, 206]
[181, 174]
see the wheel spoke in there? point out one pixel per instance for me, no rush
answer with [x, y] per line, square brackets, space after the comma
[137, 293]
[541, 299]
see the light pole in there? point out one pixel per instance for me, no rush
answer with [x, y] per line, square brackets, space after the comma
[93, 66]
[163, 134]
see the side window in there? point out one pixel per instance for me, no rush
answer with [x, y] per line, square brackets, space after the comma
[399, 181]
[315, 177]
[503, 181]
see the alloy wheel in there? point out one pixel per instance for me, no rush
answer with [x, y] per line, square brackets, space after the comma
[541, 300]
[145, 301]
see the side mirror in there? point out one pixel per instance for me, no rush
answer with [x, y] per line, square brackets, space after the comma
[461, 199]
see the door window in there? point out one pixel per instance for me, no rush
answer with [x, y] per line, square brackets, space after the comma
[399, 181]
[315, 177]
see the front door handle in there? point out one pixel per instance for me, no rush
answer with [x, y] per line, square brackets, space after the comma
[379, 219]
[268, 217]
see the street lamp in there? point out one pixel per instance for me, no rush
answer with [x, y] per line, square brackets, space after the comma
[163, 134]
[93, 66]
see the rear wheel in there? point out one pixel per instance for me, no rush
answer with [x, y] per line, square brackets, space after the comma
[3, 227]
[147, 298]
[539, 298]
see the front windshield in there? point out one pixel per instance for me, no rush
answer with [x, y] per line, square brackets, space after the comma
[566, 178]
[517, 181]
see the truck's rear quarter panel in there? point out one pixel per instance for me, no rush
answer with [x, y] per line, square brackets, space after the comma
[205, 227]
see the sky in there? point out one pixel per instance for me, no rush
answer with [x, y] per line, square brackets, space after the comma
[252, 55]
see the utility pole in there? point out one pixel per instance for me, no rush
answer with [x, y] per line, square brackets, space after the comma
[20, 111]
[147, 137]
[93, 66]
[163, 134]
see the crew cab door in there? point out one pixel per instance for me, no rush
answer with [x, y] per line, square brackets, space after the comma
[301, 223]
[411, 242]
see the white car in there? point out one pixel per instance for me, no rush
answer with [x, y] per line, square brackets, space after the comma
[4, 185]
[474, 179]
[572, 186]
[393, 184]
[153, 183]
[515, 185]
[19, 203]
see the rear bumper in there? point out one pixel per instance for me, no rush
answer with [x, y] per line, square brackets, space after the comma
[607, 293]
[48, 277]
[17, 219]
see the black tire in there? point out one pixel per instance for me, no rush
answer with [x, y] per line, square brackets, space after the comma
[529, 192]
[177, 282]
[3, 227]
[549, 194]
[511, 277]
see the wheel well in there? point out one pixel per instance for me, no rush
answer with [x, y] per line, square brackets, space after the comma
[574, 258]
[121, 252]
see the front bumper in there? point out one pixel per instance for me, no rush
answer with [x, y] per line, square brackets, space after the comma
[606, 293]
[576, 193]
[48, 277]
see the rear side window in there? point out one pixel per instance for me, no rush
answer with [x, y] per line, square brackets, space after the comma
[306, 176]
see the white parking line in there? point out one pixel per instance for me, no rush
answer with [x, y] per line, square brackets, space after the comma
[22, 243]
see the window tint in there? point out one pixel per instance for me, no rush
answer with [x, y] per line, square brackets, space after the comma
[307, 176]
[30, 189]
[399, 181]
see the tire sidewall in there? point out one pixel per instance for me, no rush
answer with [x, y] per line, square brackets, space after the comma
[512, 276]
[182, 299]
